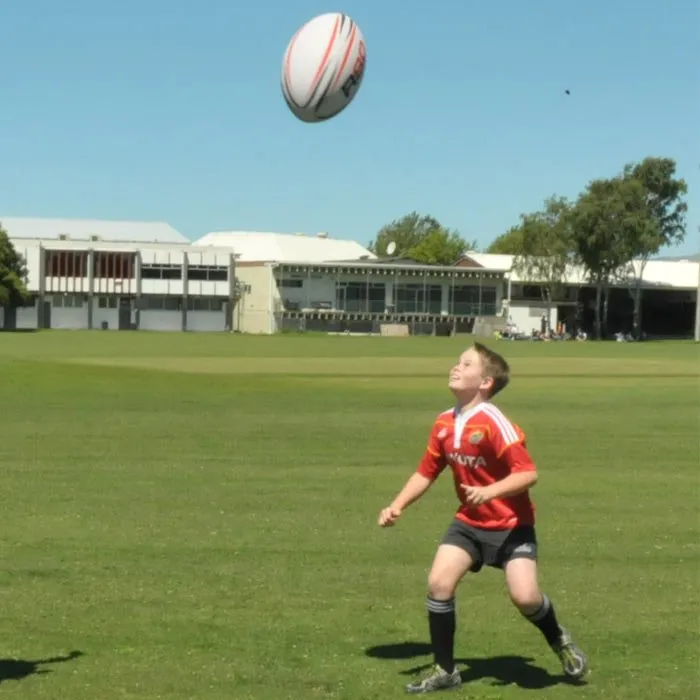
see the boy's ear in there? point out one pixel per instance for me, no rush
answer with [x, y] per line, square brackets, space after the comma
[487, 383]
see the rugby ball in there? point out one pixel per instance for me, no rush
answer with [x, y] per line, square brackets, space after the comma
[323, 67]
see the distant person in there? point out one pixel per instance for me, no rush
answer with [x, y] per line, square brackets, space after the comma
[495, 523]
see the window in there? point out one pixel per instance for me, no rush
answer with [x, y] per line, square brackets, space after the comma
[66, 263]
[154, 303]
[418, 298]
[115, 266]
[290, 283]
[360, 296]
[469, 301]
[205, 273]
[205, 304]
[67, 301]
[161, 272]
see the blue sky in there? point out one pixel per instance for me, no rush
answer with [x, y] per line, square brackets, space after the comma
[172, 111]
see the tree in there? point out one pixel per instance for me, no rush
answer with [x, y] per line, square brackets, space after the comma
[545, 251]
[421, 238]
[607, 216]
[666, 211]
[13, 274]
[508, 243]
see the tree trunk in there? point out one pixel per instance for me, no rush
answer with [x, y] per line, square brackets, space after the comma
[606, 305]
[637, 317]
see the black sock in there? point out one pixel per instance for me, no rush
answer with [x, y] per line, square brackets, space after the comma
[441, 618]
[546, 621]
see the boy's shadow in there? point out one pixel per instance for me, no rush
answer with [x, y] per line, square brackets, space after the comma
[19, 669]
[503, 670]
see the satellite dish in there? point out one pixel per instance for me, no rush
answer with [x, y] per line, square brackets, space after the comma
[391, 248]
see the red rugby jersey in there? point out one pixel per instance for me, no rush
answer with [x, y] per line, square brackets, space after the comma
[481, 446]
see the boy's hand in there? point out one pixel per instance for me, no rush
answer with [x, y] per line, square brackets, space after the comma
[389, 516]
[476, 495]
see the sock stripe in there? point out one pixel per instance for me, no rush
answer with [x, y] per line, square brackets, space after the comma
[541, 611]
[440, 606]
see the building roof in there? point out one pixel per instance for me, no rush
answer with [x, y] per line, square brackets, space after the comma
[254, 246]
[672, 274]
[86, 229]
[695, 257]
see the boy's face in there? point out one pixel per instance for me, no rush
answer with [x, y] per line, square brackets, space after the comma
[467, 376]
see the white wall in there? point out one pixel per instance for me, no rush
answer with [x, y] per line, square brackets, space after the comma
[26, 318]
[163, 256]
[30, 250]
[100, 315]
[208, 257]
[206, 321]
[528, 315]
[69, 319]
[160, 320]
[207, 289]
[254, 311]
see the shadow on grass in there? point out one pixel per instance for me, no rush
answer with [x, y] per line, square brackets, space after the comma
[19, 669]
[513, 670]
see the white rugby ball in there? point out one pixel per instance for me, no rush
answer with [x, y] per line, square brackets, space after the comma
[323, 67]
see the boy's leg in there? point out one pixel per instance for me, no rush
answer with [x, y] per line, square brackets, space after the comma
[524, 591]
[452, 561]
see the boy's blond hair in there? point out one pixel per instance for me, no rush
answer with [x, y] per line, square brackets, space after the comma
[495, 367]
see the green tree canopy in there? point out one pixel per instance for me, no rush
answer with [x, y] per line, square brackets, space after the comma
[421, 238]
[607, 217]
[545, 249]
[13, 274]
[665, 222]
[508, 243]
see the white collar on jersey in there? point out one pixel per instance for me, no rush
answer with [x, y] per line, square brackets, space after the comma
[461, 418]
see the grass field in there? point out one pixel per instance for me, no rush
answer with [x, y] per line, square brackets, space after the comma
[195, 517]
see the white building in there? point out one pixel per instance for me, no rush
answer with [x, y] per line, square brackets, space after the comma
[292, 281]
[120, 275]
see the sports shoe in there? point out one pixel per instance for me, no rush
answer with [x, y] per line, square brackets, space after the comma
[573, 660]
[438, 680]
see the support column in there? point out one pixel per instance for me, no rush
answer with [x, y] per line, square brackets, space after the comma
[185, 289]
[41, 317]
[138, 264]
[232, 292]
[91, 285]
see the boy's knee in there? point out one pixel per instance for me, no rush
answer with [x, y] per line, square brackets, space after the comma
[527, 601]
[523, 587]
[441, 586]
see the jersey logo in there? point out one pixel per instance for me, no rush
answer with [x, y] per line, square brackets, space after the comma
[476, 437]
[466, 460]
[442, 434]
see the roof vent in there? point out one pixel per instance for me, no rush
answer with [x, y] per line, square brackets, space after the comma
[322, 234]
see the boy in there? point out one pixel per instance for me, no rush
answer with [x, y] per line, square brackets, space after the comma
[494, 525]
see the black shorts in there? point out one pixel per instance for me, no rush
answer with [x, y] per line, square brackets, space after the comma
[492, 547]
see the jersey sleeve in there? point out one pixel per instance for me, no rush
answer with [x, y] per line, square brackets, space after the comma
[508, 443]
[518, 458]
[434, 460]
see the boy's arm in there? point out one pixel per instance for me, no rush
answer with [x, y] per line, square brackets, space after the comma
[429, 469]
[523, 476]
[414, 488]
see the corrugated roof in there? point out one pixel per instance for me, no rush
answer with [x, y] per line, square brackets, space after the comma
[676, 274]
[85, 229]
[254, 246]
